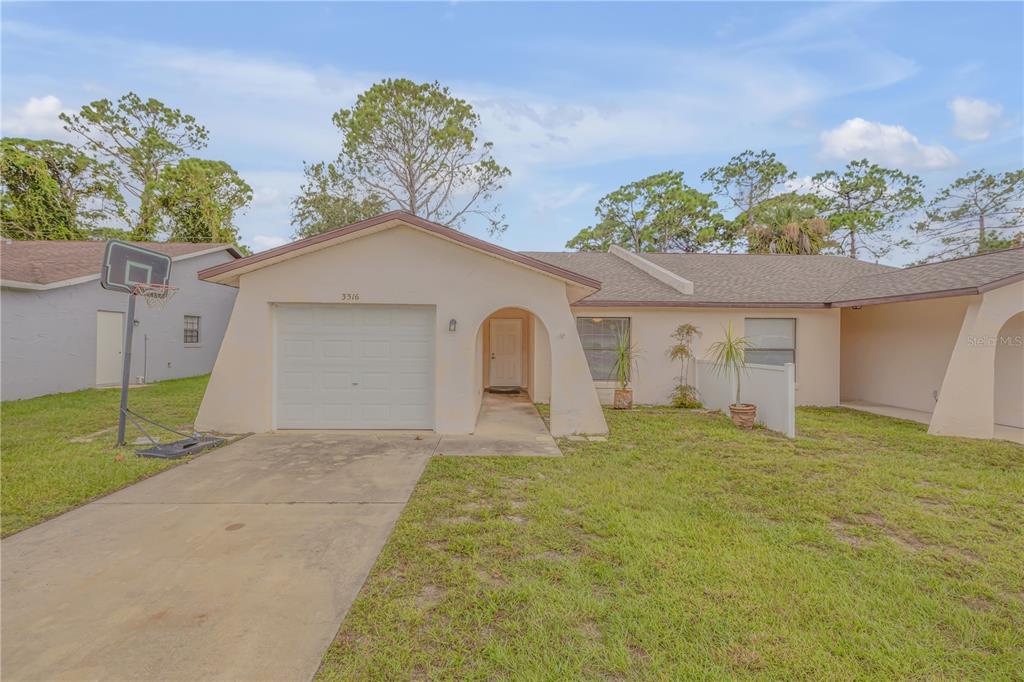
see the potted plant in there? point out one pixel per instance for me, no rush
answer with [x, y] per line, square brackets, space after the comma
[684, 394]
[728, 358]
[625, 365]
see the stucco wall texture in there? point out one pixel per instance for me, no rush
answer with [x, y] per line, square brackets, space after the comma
[402, 265]
[817, 347]
[49, 337]
[896, 354]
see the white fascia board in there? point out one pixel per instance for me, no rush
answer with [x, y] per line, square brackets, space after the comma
[680, 284]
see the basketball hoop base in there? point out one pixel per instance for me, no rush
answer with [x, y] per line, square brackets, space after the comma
[179, 448]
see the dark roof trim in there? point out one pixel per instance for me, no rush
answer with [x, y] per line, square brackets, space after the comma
[905, 298]
[440, 230]
[1012, 279]
[694, 304]
[926, 295]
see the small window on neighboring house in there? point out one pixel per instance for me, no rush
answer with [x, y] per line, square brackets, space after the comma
[600, 336]
[772, 340]
[191, 329]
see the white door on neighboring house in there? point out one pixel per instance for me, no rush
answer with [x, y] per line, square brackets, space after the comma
[506, 352]
[109, 347]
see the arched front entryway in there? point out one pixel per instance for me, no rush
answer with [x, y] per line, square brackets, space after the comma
[512, 372]
[514, 354]
[1008, 393]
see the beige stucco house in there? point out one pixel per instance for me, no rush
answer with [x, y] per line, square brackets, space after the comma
[397, 322]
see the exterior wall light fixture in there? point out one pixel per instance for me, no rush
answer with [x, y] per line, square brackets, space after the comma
[452, 324]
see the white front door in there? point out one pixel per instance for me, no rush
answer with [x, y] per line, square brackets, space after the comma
[506, 352]
[354, 367]
[109, 347]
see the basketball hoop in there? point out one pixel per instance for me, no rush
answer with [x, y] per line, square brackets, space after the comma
[155, 295]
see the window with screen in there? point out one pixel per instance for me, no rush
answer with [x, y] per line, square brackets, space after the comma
[772, 340]
[191, 329]
[600, 336]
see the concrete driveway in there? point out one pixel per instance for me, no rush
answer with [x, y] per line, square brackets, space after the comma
[239, 565]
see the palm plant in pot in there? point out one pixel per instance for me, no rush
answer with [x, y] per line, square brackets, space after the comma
[728, 356]
[624, 366]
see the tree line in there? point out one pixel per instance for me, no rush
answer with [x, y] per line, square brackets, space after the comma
[130, 174]
[855, 211]
[414, 146]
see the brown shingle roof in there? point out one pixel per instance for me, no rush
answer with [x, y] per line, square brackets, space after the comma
[718, 279]
[47, 262]
[620, 281]
[776, 280]
[961, 276]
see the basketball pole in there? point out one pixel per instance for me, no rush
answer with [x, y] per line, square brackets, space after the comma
[126, 370]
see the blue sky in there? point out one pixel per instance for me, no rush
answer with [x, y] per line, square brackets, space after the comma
[577, 98]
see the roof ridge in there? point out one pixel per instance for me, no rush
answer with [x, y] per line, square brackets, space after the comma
[663, 275]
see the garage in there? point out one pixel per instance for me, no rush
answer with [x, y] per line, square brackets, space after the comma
[376, 325]
[354, 366]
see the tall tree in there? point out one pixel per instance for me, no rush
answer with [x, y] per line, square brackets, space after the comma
[141, 137]
[31, 204]
[328, 199]
[659, 212]
[865, 204]
[415, 146]
[788, 223]
[976, 213]
[747, 180]
[199, 200]
[86, 195]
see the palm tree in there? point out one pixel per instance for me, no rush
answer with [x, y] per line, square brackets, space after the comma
[788, 223]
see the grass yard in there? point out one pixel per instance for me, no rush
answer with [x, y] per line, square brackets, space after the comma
[44, 472]
[683, 548]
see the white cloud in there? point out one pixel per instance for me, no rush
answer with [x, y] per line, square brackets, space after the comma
[544, 202]
[36, 118]
[261, 242]
[272, 113]
[974, 119]
[882, 143]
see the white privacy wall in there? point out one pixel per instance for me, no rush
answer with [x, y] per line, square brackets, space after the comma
[772, 388]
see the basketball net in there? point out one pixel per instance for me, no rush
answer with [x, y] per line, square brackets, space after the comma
[155, 295]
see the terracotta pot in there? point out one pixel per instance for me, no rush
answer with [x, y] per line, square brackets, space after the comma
[623, 399]
[743, 415]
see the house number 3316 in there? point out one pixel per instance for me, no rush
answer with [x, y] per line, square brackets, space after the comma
[349, 297]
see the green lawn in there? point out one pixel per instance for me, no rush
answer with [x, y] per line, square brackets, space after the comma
[683, 548]
[43, 473]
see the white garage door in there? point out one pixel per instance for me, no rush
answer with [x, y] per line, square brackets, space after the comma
[354, 367]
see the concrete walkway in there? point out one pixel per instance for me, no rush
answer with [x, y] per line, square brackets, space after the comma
[1000, 431]
[239, 565]
[506, 425]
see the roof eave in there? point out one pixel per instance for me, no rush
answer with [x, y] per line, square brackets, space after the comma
[697, 304]
[72, 281]
[228, 273]
[928, 295]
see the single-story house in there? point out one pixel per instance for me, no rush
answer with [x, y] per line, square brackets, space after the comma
[398, 322]
[62, 332]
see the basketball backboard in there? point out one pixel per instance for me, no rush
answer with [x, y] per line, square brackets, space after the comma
[126, 264]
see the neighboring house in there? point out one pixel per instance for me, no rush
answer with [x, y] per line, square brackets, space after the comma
[62, 332]
[397, 322]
